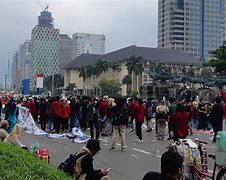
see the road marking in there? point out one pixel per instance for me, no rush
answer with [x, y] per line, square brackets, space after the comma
[139, 150]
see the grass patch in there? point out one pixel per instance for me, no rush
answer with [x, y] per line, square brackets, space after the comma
[18, 164]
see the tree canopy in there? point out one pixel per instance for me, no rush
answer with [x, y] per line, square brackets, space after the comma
[218, 60]
[135, 65]
[109, 87]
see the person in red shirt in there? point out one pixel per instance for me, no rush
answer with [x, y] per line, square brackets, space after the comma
[179, 121]
[57, 113]
[32, 108]
[67, 112]
[134, 104]
[103, 107]
[139, 115]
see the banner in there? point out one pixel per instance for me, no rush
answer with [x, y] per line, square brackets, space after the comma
[26, 121]
[39, 80]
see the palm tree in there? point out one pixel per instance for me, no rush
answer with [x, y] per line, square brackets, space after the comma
[115, 68]
[135, 67]
[83, 74]
[101, 66]
[127, 79]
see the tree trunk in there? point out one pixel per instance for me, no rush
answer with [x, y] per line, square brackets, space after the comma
[132, 88]
[137, 83]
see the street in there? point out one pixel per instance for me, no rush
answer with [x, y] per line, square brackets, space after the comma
[131, 164]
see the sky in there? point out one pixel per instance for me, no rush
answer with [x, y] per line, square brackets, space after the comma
[123, 22]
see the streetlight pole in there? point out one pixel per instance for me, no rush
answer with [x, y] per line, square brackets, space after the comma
[52, 87]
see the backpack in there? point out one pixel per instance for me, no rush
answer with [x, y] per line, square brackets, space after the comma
[68, 166]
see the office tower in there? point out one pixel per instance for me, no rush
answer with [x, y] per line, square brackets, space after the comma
[84, 43]
[45, 48]
[65, 51]
[194, 26]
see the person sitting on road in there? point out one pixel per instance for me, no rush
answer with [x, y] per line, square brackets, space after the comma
[171, 167]
[84, 165]
[12, 137]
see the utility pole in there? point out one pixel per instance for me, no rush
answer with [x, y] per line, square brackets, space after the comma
[52, 89]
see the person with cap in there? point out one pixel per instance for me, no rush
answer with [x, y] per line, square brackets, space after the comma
[84, 169]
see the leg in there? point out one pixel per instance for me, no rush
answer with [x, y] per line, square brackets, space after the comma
[113, 140]
[97, 129]
[123, 134]
[139, 130]
[91, 129]
[72, 122]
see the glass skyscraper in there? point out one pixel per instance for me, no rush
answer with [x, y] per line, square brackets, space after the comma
[194, 26]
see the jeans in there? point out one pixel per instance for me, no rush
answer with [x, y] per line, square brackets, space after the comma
[138, 129]
[91, 124]
[194, 123]
[121, 131]
[74, 122]
[102, 123]
[110, 126]
[50, 123]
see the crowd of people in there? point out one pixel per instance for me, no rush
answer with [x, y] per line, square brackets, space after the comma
[108, 116]
[111, 116]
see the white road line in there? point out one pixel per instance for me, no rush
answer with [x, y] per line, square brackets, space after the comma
[139, 150]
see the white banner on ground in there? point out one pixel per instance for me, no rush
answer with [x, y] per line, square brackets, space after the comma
[26, 121]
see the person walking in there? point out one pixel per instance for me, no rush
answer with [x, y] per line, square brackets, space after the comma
[216, 117]
[103, 106]
[93, 118]
[161, 118]
[139, 115]
[120, 120]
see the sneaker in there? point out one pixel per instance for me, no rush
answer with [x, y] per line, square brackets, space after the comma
[123, 148]
[140, 141]
[53, 131]
[111, 148]
[131, 130]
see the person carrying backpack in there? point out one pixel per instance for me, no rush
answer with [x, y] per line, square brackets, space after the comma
[84, 169]
[161, 118]
[120, 121]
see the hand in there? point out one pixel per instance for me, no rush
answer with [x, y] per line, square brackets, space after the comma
[104, 172]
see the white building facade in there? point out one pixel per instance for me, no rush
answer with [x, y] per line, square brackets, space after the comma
[84, 43]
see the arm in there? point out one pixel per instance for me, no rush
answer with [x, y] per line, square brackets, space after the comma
[87, 168]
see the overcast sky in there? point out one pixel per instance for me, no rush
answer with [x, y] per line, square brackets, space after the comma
[123, 22]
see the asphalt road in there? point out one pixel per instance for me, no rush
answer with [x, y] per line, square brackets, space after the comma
[131, 164]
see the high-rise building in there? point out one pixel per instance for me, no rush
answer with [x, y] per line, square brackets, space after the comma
[84, 43]
[45, 49]
[25, 59]
[195, 27]
[15, 74]
[65, 51]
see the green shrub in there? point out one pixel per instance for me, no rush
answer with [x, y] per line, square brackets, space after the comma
[18, 164]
